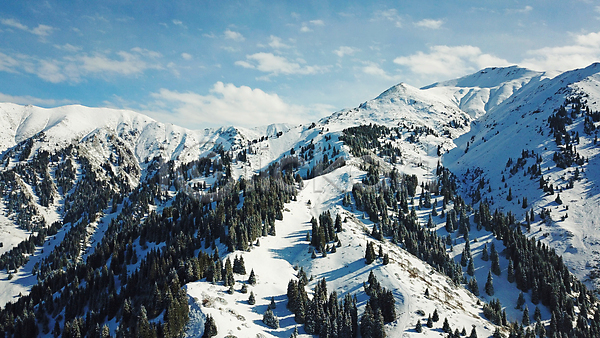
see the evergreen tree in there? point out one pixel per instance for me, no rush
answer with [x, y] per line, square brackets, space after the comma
[252, 278]
[520, 301]
[526, 321]
[272, 305]
[510, 271]
[471, 268]
[484, 253]
[369, 253]
[473, 333]
[446, 326]
[251, 299]
[228, 278]
[495, 261]
[270, 319]
[489, 285]
[418, 327]
[429, 322]
[210, 327]
[435, 317]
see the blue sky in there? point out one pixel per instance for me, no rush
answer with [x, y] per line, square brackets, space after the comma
[210, 63]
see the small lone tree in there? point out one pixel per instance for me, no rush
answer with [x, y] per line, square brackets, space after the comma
[270, 319]
[210, 327]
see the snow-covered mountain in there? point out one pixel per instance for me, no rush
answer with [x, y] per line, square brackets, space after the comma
[97, 196]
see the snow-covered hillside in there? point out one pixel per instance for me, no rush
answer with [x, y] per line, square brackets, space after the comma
[96, 196]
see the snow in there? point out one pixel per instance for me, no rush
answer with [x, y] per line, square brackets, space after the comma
[344, 271]
[499, 112]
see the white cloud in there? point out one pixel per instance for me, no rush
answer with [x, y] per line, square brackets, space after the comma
[373, 69]
[523, 10]
[68, 47]
[8, 63]
[33, 100]
[14, 24]
[276, 43]
[40, 30]
[73, 68]
[227, 104]
[345, 50]
[388, 15]
[584, 51]
[275, 65]
[305, 25]
[430, 23]
[232, 35]
[186, 56]
[449, 61]
[178, 22]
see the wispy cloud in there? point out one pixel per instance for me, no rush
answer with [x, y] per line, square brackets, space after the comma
[186, 56]
[40, 30]
[390, 15]
[374, 69]
[345, 50]
[306, 25]
[523, 10]
[275, 65]
[233, 35]
[73, 68]
[430, 23]
[33, 100]
[68, 48]
[449, 61]
[276, 43]
[227, 104]
[584, 50]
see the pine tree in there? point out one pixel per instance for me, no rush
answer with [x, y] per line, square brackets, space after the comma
[520, 301]
[228, 275]
[489, 285]
[473, 333]
[418, 327]
[272, 305]
[446, 326]
[510, 272]
[526, 321]
[270, 319]
[435, 317]
[251, 299]
[369, 253]
[386, 259]
[252, 278]
[429, 322]
[495, 261]
[484, 253]
[210, 327]
[471, 268]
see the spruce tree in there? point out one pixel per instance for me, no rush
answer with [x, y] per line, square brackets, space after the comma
[520, 301]
[435, 317]
[484, 253]
[446, 326]
[210, 327]
[525, 320]
[252, 278]
[489, 285]
[251, 299]
[429, 322]
[473, 333]
[369, 253]
[270, 319]
[418, 327]
[471, 268]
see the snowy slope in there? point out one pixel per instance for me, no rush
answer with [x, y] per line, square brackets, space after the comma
[521, 124]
